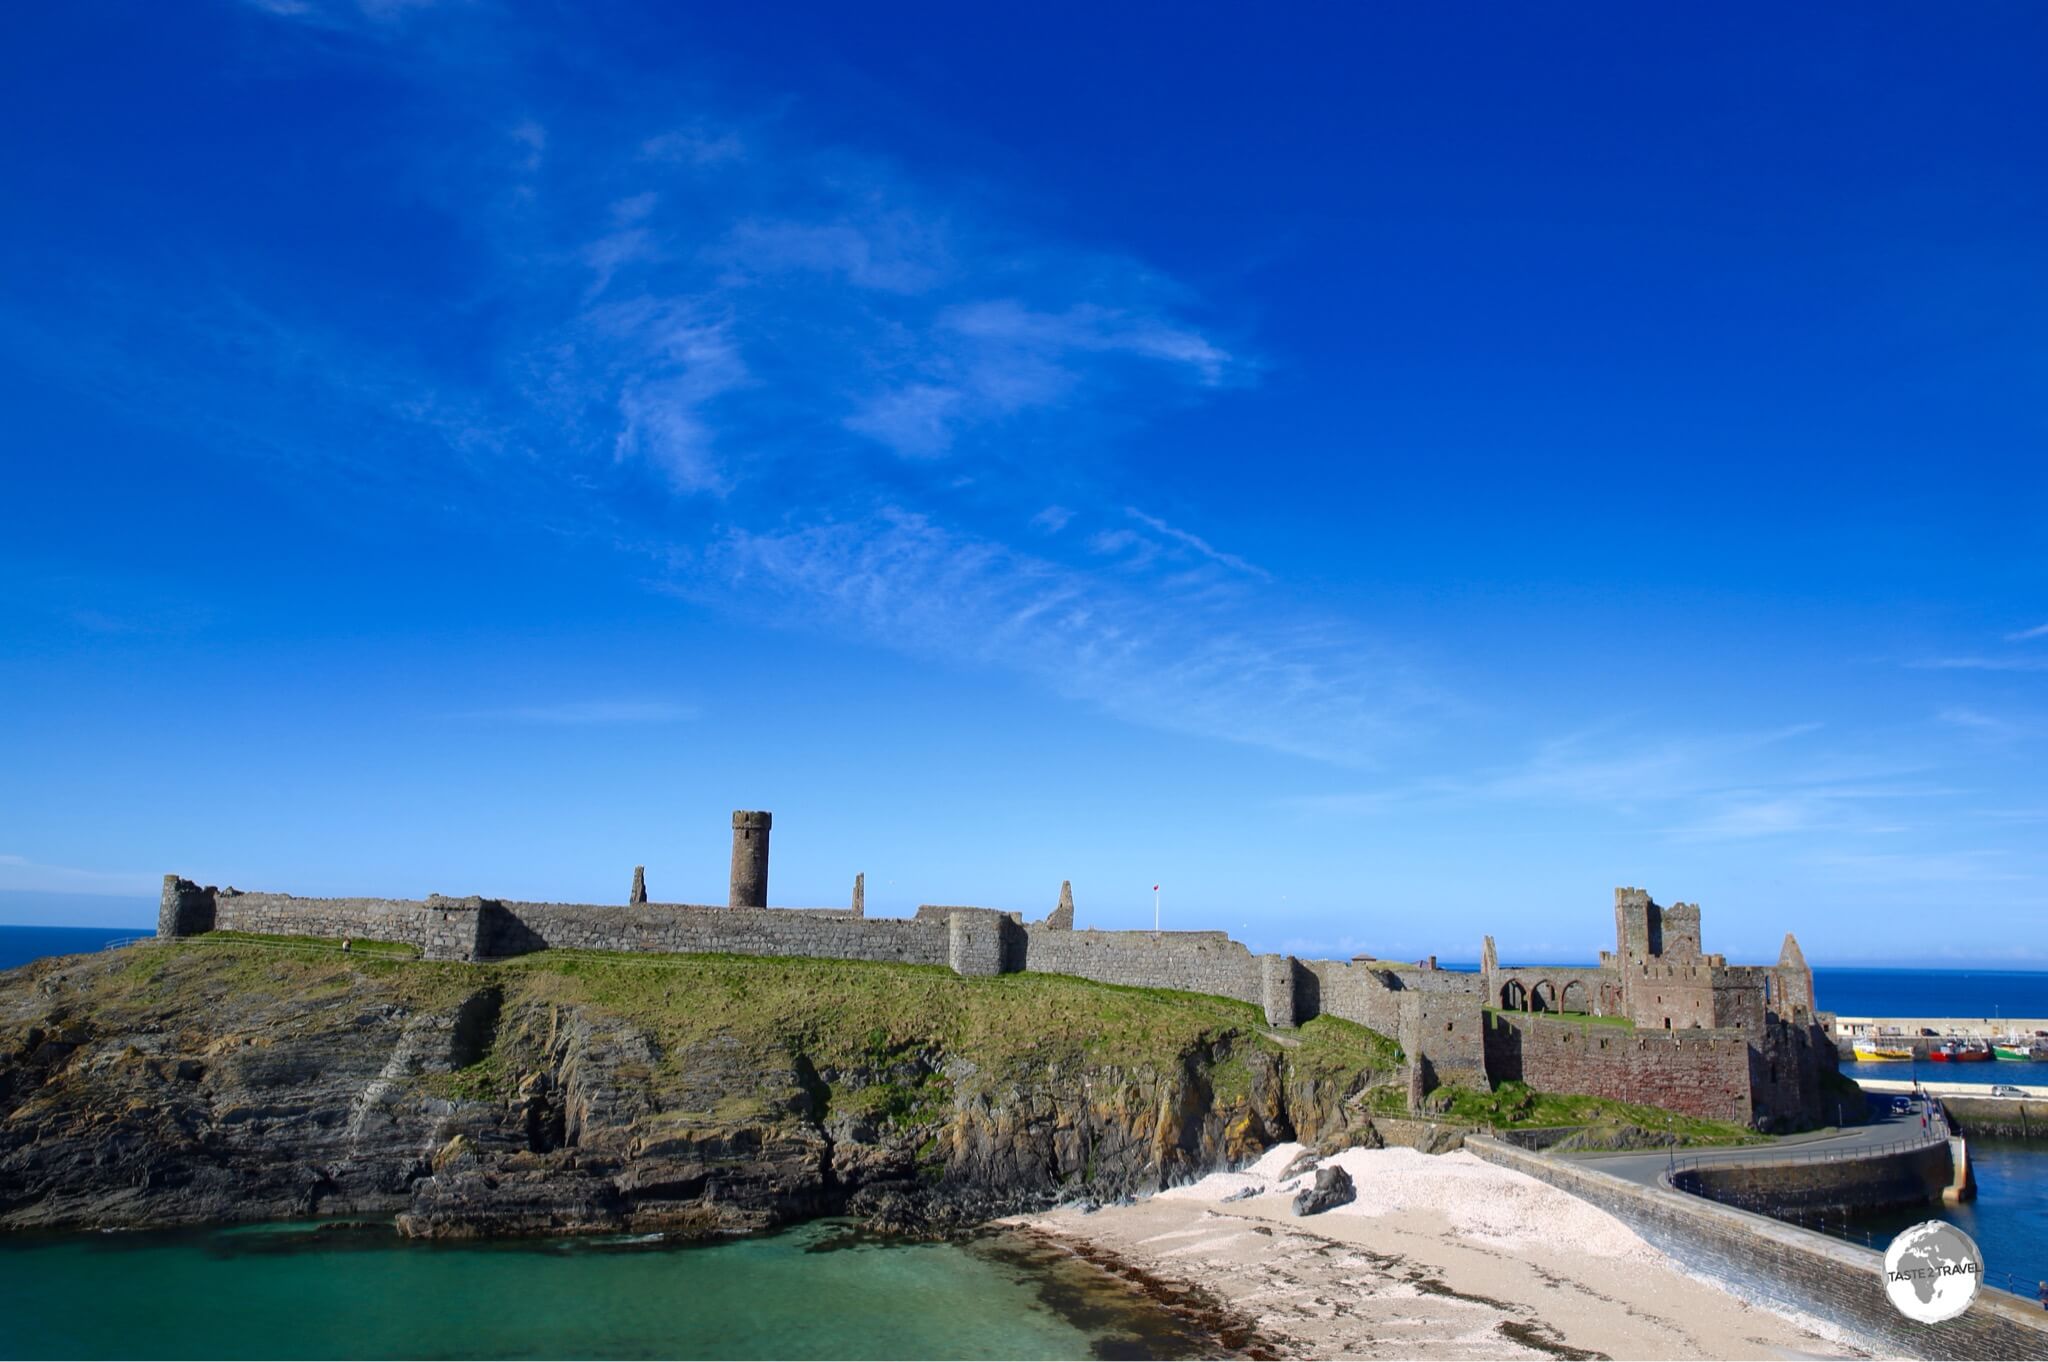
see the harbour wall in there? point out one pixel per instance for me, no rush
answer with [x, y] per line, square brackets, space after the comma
[1924, 1035]
[2009, 1118]
[1781, 1265]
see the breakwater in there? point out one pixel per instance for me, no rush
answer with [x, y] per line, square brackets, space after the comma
[1819, 1184]
[1785, 1266]
[1925, 1035]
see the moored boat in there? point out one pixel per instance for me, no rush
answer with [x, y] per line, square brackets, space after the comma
[1870, 1052]
[1976, 1052]
[2012, 1052]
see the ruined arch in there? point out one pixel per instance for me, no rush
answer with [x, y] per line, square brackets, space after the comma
[1573, 999]
[1513, 996]
[1543, 997]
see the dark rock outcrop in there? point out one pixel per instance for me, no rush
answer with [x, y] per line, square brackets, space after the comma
[1333, 1188]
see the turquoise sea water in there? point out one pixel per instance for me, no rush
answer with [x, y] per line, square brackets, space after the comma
[817, 1291]
[813, 1292]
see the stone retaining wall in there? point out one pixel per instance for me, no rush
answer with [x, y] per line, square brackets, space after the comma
[1764, 1260]
[1795, 1186]
[2012, 1118]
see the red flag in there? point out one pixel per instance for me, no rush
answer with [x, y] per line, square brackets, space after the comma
[1155, 888]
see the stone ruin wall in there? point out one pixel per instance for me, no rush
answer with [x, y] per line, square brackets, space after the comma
[1568, 988]
[1192, 962]
[515, 928]
[1435, 1015]
[370, 919]
[1701, 1073]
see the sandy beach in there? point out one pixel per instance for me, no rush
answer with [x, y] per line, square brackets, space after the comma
[1442, 1256]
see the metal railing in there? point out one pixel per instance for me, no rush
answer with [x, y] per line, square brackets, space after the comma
[1936, 1132]
[120, 941]
[1834, 1221]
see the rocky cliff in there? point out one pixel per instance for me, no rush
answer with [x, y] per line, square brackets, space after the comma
[214, 1080]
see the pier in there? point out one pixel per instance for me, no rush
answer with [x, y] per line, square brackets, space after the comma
[1922, 1035]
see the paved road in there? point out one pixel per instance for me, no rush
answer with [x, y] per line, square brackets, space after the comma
[1645, 1168]
[1889, 1086]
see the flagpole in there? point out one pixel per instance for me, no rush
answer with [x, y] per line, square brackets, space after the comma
[1155, 910]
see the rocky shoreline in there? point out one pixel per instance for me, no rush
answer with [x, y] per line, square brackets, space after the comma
[206, 1083]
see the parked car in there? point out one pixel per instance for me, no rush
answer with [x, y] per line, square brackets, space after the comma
[1904, 1103]
[1929, 1031]
[2007, 1090]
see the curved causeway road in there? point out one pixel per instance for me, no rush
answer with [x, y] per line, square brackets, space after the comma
[1896, 1129]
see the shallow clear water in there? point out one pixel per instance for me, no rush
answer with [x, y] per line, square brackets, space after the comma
[817, 1291]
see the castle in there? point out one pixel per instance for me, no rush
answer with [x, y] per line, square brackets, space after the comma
[1734, 1043]
[1708, 1037]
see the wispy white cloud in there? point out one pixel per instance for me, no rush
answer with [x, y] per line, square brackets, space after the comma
[1697, 788]
[1198, 544]
[2038, 631]
[1144, 652]
[340, 13]
[766, 328]
[1982, 664]
[584, 713]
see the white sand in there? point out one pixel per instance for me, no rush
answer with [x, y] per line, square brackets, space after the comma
[1439, 1256]
[1482, 1201]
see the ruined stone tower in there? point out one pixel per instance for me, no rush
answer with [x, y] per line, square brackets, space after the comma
[750, 858]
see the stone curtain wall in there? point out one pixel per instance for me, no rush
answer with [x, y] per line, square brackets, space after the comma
[403, 920]
[690, 929]
[1701, 1073]
[1193, 962]
[1760, 1258]
[1358, 993]
[1435, 1015]
[984, 941]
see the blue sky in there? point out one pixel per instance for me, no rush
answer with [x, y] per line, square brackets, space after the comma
[1389, 476]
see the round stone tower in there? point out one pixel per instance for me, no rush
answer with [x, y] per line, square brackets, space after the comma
[750, 858]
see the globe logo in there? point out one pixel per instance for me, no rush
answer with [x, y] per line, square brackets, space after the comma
[1932, 1272]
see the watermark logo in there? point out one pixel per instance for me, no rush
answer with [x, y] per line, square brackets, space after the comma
[1932, 1272]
